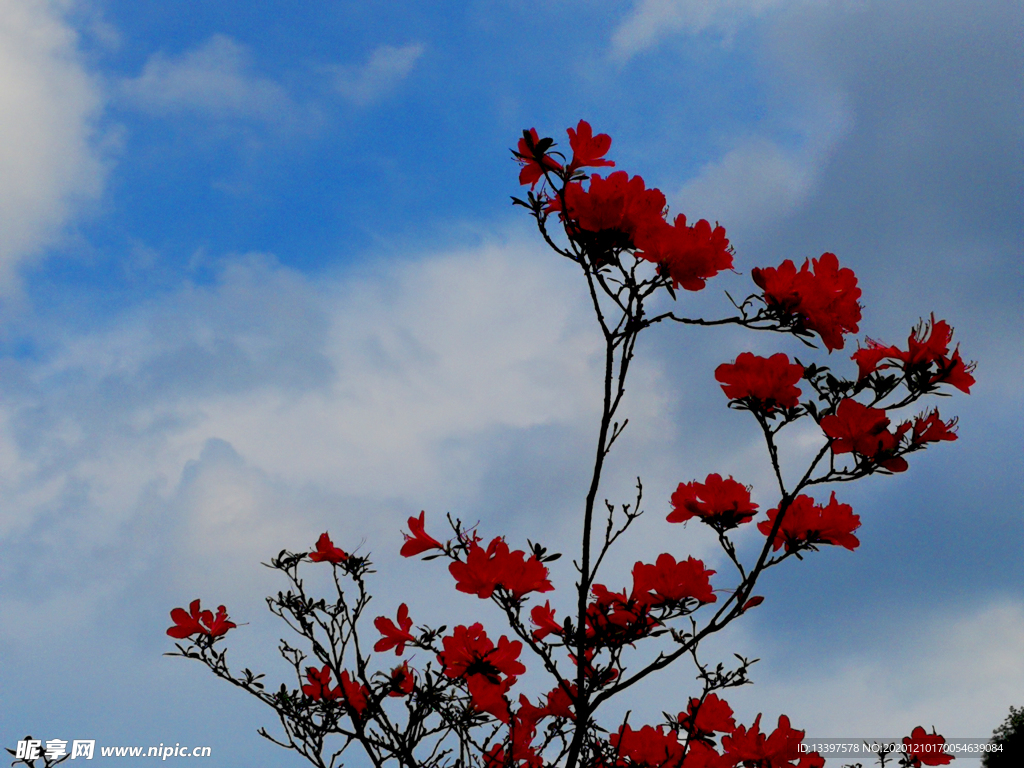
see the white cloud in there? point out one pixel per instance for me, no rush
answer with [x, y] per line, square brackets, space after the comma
[216, 79]
[757, 181]
[215, 426]
[49, 161]
[653, 20]
[391, 387]
[384, 70]
[957, 671]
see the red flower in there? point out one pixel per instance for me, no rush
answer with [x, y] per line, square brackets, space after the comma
[621, 210]
[955, 372]
[521, 735]
[929, 428]
[401, 680]
[687, 255]
[806, 523]
[527, 716]
[670, 582]
[495, 757]
[199, 622]
[326, 551]
[859, 429]
[927, 346]
[319, 686]
[468, 651]
[394, 637]
[186, 624]
[486, 570]
[722, 504]
[613, 619]
[823, 300]
[703, 755]
[489, 696]
[469, 654]
[855, 427]
[649, 747]
[560, 702]
[780, 750]
[353, 694]
[543, 616]
[217, 625]
[419, 541]
[478, 575]
[868, 358]
[588, 149]
[767, 383]
[703, 718]
[533, 171]
[926, 748]
[928, 342]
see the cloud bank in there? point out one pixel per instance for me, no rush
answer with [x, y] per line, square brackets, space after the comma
[651, 21]
[386, 67]
[268, 386]
[50, 161]
[216, 80]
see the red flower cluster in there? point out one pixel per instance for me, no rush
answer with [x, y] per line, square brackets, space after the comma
[670, 583]
[543, 617]
[470, 655]
[199, 622]
[722, 504]
[859, 429]
[822, 298]
[533, 168]
[486, 570]
[394, 637]
[620, 210]
[762, 383]
[401, 680]
[350, 692]
[687, 255]
[927, 357]
[560, 702]
[779, 750]
[326, 551]
[523, 728]
[523, 756]
[929, 428]
[588, 149]
[925, 748]
[319, 685]
[652, 747]
[419, 541]
[519, 744]
[353, 694]
[702, 719]
[649, 747]
[806, 523]
[614, 619]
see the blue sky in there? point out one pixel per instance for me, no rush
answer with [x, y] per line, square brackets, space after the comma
[259, 278]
